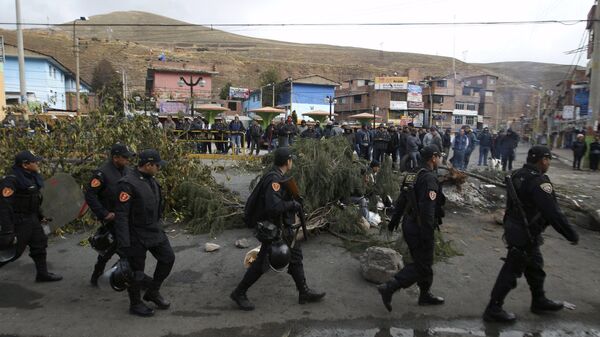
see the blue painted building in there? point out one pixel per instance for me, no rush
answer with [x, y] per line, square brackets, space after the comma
[302, 94]
[48, 81]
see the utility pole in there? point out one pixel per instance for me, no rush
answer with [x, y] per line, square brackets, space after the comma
[76, 52]
[595, 80]
[21, 56]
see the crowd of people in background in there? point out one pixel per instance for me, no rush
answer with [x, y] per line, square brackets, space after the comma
[373, 143]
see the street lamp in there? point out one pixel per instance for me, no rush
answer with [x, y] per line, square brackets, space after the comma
[191, 84]
[76, 52]
[145, 99]
[331, 100]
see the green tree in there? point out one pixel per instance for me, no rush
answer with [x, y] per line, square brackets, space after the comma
[104, 74]
[224, 94]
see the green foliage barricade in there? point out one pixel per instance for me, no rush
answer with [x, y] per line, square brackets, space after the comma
[328, 174]
[77, 147]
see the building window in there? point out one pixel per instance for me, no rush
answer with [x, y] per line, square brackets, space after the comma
[472, 107]
[357, 98]
[397, 96]
[470, 120]
[438, 99]
[459, 106]
[479, 81]
[492, 81]
[458, 120]
[468, 83]
[343, 100]
[232, 106]
[441, 84]
[489, 94]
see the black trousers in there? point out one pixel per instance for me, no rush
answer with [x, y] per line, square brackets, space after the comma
[577, 161]
[528, 261]
[507, 159]
[165, 258]
[261, 265]
[30, 234]
[594, 158]
[420, 245]
[378, 154]
[104, 258]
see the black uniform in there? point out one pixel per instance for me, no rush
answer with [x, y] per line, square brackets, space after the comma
[418, 226]
[536, 194]
[101, 196]
[380, 144]
[138, 231]
[20, 213]
[275, 204]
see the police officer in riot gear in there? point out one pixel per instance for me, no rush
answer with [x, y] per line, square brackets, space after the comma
[21, 214]
[137, 215]
[420, 207]
[275, 205]
[531, 209]
[101, 196]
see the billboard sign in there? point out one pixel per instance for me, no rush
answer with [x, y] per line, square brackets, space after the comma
[416, 105]
[391, 83]
[398, 105]
[242, 93]
[568, 112]
[415, 93]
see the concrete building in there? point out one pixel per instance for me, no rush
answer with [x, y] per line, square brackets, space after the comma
[306, 94]
[485, 86]
[394, 98]
[163, 83]
[439, 96]
[48, 81]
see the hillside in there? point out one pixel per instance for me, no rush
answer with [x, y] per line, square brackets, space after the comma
[241, 59]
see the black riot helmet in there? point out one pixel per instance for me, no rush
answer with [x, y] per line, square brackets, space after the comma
[102, 241]
[121, 275]
[8, 247]
[279, 256]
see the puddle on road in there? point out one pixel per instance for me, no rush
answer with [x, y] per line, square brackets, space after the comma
[16, 296]
[381, 328]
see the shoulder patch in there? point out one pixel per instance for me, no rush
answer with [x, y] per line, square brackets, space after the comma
[276, 187]
[432, 195]
[546, 187]
[7, 192]
[95, 183]
[124, 197]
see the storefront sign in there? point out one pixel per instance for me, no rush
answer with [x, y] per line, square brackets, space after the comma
[391, 83]
[398, 105]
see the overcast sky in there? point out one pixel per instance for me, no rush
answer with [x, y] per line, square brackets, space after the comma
[491, 43]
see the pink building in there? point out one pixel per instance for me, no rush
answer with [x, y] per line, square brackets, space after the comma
[164, 82]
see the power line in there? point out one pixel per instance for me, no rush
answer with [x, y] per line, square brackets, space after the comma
[212, 25]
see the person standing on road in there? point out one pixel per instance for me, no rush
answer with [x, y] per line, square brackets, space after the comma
[420, 207]
[533, 208]
[363, 140]
[460, 145]
[508, 147]
[21, 216]
[255, 135]
[446, 144]
[595, 153]
[579, 148]
[137, 225]
[413, 143]
[485, 144]
[275, 205]
[471, 147]
[380, 143]
[101, 196]
[237, 129]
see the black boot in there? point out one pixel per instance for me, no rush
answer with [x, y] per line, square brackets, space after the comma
[136, 306]
[42, 270]
[386, 291]
[307, 295]
[239, 297]
[495, 313]
[427, 298]
[154, 296]
[541, 304]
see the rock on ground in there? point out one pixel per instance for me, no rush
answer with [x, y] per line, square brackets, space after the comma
[379, 264]
[211, 247]
[242, 243]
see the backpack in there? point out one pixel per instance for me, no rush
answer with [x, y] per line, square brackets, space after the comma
[253, 204]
